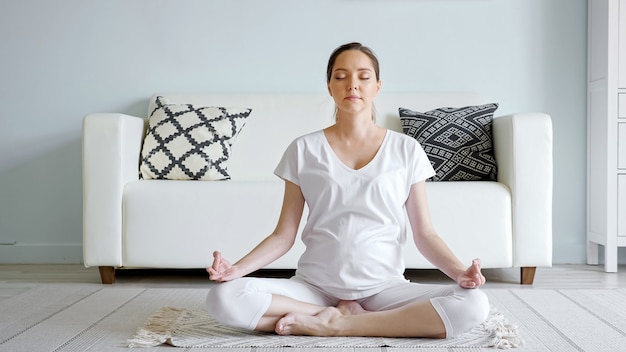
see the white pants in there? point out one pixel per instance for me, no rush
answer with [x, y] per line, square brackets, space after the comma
[242, 302]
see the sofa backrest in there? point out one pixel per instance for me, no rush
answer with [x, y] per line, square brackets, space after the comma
[278, 118]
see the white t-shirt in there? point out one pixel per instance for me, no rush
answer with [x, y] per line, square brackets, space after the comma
[357, 221]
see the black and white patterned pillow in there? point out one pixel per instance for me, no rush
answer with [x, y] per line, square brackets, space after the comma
[458, 141]
[185, 142]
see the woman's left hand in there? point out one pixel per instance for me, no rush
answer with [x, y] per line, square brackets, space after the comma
[221, 270]
[472, 277]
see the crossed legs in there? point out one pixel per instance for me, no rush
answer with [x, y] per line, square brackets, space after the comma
[281, 306]
[292, 307]
[417, 319]
[258, 303]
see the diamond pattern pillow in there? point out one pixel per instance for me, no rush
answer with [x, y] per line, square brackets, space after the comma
[185, 142]
[458, 141]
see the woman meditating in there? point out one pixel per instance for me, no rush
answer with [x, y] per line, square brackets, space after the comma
[359, 181]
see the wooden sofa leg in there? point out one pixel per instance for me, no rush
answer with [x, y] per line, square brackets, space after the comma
[528, 275]
[107, 274]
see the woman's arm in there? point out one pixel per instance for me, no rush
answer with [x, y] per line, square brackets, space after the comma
[432, 246]
[272, 247]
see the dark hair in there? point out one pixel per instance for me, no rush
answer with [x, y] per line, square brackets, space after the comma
[352, 46]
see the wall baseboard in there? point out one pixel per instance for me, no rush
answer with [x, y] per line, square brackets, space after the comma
[41, 253]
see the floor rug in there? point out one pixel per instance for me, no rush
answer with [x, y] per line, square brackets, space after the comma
[181, 327]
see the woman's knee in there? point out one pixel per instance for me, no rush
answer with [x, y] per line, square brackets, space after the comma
[217, 301]
[217, 298]
[233, 303]
[474, 312]
[479, 304]
[463, 310]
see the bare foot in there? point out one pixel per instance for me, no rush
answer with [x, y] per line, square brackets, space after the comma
[312, 325]
[350, 308]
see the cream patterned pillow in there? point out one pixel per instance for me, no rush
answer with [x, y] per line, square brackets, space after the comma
[185, 142]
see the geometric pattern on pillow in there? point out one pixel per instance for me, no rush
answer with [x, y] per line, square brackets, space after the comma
[458, 141]
[185, 142]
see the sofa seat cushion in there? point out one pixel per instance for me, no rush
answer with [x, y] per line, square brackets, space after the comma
[172, 224]
[473, 218]
[178, 224]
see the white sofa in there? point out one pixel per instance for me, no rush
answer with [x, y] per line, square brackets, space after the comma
[133, 223]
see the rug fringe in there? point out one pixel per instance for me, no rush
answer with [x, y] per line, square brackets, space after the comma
[504, 335]
[164, 327]
[156, 330]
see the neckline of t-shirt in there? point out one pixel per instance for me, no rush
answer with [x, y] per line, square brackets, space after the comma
[340, 162]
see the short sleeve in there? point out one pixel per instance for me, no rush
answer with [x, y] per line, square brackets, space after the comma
[421, 166]
[287, 168]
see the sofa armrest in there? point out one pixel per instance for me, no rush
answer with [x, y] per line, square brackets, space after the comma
[523, 151]
[111, 150]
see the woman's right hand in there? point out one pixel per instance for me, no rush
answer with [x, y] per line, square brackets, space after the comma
[221, 270]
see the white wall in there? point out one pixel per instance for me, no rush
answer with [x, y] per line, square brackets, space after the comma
[63, 59]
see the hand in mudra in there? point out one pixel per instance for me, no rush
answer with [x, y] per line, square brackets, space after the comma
[221, 270]
[472, 277]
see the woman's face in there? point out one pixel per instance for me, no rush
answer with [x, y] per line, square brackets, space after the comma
[353, 83]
